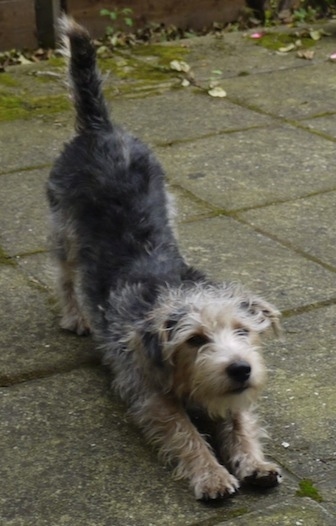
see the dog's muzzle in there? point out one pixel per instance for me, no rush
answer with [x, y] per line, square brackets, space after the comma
[239, 372]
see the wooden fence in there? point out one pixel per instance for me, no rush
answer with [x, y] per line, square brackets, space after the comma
[31, 23]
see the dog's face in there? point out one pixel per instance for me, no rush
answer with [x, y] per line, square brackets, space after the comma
[210, 340]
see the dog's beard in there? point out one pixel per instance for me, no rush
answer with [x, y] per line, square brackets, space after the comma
[218, 407]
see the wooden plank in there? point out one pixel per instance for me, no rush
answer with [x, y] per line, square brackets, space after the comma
[47, 13]
[17, 24]
[195, 14]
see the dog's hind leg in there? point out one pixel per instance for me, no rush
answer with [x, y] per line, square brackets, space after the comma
[64, 249]
[73, 319]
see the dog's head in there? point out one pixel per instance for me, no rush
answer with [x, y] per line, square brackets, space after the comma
[207, 338]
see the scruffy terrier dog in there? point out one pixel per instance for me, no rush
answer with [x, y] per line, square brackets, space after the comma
[183, 350]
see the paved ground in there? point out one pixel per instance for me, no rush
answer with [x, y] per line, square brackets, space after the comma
[254, 176]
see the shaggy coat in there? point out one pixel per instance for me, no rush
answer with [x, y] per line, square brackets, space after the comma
[179, 345]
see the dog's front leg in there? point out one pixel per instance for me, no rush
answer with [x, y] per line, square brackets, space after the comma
[167, 425]
[240, 448]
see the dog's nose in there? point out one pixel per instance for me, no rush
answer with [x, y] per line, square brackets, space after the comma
[239, 371]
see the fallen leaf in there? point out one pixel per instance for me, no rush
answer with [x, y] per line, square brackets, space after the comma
[101, 50]
[286, 49]
[315, 35]
[179, 65]
[185, 83]
[23, 60]
[46, 74]
[308, 54]
[217, 91]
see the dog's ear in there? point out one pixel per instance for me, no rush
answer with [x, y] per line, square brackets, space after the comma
[262, 314]
[154, 340]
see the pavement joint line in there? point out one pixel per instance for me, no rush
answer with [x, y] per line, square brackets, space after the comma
[26, 169]
[283, 201]
[32, 376]
[288, 245]
[165, 144]
[319, 115]
[318, 133]
[195, 219]
[292, 122]
[303, 309]
[235, 216]
[257, 73]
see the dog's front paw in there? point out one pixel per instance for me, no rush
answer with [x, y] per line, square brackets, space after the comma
[264, 475]
[216, 484]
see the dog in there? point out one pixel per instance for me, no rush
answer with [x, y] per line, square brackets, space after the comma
[183, 349]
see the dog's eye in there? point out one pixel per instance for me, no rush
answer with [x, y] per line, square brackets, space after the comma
[242, 332]
[198, 340]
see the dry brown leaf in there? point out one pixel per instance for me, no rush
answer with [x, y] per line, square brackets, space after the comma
[307, 54]
[179, 65]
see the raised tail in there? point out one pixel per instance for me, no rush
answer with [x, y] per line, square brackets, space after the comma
[84, 77]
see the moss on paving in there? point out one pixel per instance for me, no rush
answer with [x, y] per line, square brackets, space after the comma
[8, 80]
[13, 106]
[275, 41]
[307, 489]
[144, 67]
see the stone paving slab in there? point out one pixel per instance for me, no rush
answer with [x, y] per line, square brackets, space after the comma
[325, 125]
[24, 212]
[236, 54]
[187, 114]
[31, 343]
[290, 513]
[301, 401]
[253, 167]
[37, 144]
[307, 224]
[69, 457]
[327, 488]
[40, 268]
[232, 251]
[297, 94]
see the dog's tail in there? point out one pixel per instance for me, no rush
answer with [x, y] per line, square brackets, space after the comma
[84, 77]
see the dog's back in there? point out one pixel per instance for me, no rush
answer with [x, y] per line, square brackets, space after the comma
[106, 191]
